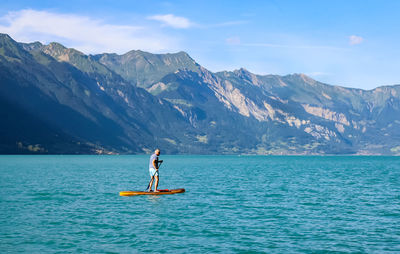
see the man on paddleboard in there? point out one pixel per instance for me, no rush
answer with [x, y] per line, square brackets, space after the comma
[153, 169]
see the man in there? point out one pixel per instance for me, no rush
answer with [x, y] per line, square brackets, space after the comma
[153, 169]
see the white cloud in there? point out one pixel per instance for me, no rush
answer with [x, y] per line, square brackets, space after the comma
[354, 40]
[172, 21]
[83, 33]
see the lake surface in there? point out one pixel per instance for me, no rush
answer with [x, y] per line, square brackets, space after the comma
[232, 204]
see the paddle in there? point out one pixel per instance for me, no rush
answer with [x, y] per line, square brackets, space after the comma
[152, 177]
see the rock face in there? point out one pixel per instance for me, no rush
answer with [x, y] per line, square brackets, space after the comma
[59, 100]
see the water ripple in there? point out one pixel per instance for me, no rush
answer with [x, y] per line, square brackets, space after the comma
[247, 204]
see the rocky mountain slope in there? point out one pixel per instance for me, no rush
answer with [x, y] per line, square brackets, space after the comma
[59, 100]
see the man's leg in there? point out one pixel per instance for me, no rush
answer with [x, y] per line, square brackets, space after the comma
[156, 184]
[151, 183]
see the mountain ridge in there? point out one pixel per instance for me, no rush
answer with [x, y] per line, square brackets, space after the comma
[143, 100]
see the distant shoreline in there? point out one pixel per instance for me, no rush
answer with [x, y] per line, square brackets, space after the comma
[233, 155]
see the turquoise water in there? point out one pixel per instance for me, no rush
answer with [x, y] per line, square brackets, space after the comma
[232, 204]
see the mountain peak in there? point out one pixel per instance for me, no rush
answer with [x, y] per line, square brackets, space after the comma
[5, 36]
[33, 46]
[242, 70]
[145, 69]
[183, 53]
[56, 45]
[247, 75]
[178, 55]
[5, 39]
[60, 52]
[302, 77]
[9, 47]
[307, 79]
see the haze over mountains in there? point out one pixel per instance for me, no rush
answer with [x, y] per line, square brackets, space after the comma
[58, 100]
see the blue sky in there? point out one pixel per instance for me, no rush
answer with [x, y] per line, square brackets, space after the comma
[347, 43]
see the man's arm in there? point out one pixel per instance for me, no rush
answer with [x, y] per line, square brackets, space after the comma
[155, 164]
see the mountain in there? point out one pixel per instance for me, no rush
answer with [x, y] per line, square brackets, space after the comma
[95, 110]
[145, 69]
[58, 100]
